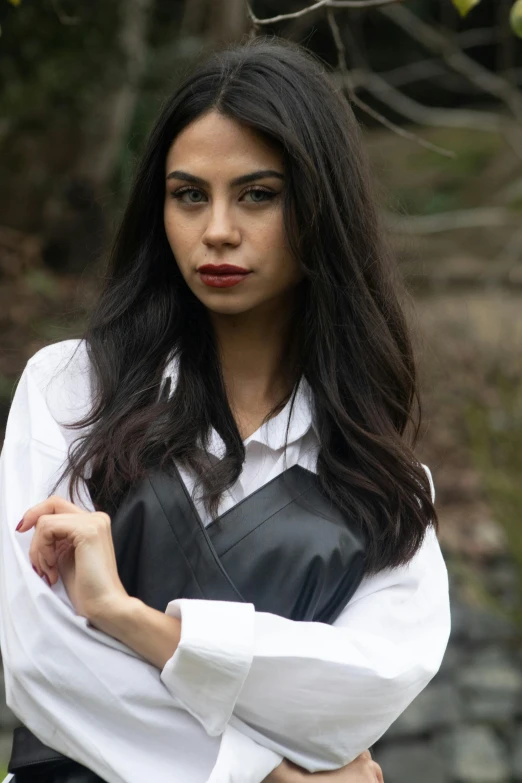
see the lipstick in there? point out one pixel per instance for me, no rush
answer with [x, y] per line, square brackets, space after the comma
[222, 275]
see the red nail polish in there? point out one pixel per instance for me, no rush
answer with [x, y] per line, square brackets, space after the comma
[19, 525]
[35, 570]
[46, 579]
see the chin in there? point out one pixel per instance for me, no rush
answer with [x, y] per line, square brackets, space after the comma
[227, 308]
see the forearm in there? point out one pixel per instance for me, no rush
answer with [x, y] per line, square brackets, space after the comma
[85, 697]
[276, 680]
[152, 634]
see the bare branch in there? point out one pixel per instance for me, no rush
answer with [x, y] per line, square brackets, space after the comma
[433, 68]
[321, 4]
[427, 115]
[437, 42]
[284, 17]
[348, 83]
[385, 91]
[361, 3]
[486, 217]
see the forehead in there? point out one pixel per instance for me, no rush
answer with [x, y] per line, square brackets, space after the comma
[218, 143]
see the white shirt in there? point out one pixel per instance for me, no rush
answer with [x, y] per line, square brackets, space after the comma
[244, 688]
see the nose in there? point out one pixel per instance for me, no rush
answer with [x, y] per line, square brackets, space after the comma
[221, 229]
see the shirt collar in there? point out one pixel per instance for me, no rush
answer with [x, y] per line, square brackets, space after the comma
[290, 424]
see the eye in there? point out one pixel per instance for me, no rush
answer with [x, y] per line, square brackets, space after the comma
[259, 195]
[189, 196]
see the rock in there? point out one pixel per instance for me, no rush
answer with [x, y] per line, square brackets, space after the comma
[492, 688]
[410, 762]
[473, 754]
[438, 706]
[452, 661]
[503, 576]
[493, 655]
[479, 626]
[502, 580]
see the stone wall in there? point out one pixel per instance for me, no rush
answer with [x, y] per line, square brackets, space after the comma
[465, 727]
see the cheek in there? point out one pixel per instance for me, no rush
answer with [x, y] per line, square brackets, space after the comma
[272, 243]
[268, 238]
[178, 235]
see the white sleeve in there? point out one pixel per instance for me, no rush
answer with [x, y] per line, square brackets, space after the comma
[80, 691]
[317, 694]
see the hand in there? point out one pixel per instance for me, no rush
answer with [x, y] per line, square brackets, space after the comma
[77, 546]
[362, 770]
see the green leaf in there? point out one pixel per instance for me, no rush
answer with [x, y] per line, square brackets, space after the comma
[515, 18]
[464, 6]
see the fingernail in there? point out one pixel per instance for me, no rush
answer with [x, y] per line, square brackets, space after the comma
[46, 579]
[19, 525]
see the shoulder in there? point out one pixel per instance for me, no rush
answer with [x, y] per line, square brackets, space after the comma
[60, 366]
[60, 374]
[50, 357]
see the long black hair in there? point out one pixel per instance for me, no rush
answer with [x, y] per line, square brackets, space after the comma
[351, 338]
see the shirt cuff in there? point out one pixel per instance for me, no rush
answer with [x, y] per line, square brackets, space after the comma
[242, 759]
[214, 655]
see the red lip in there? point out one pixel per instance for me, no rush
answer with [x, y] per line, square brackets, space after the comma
[222, 269]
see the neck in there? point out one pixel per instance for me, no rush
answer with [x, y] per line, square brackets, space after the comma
[254, 352]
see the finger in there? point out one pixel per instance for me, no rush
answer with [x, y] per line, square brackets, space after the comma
[41, 553]
[378, 773]
[49, 564]
[47, 573]
[51, 534]
[52, 505]
[34, 556]
[63, 548]
[51, 531]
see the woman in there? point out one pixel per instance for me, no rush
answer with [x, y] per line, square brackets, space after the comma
[243, 393]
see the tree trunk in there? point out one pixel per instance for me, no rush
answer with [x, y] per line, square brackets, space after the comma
[194, 16]
[75, 235]
[228, 21]
[99, 158]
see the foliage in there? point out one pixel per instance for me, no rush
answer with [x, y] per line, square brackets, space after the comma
[515, 18]
[464, 6]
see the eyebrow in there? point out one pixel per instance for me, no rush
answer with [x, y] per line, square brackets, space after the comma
[244, 180]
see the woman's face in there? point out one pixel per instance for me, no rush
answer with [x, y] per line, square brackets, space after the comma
[224, 206]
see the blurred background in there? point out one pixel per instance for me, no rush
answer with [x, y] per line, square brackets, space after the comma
[437, 94]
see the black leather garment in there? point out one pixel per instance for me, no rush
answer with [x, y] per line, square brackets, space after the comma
[34, 762]
[285, 548]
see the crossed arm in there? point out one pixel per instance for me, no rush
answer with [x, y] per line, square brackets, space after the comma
[337, 688]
